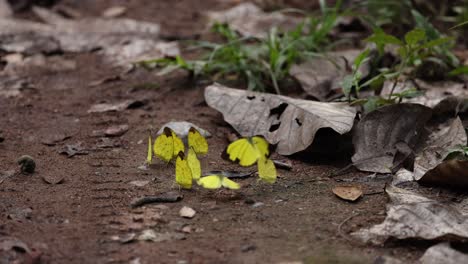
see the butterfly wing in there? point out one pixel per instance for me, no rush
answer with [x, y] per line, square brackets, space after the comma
[243, 151]
[149, 157]
[266, 169]
[163, 146]
[210, 182]
[183, 172]
[230, 184]
[178, 145]
[197, 142]
[194, 164]
[261, 145]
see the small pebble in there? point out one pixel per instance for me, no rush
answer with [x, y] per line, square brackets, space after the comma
[257, 204]
[187, 212]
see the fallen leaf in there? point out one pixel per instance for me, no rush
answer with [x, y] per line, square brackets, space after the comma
[187, 212]
[48, 64]
[250, 20]
[53, 179]
[451, 173]
[401, 176]
[121, 41]
[414, 216]
[108, 143]
[116, 131]
[114, 11]
[321, 77]
[181, 128]
[290, 123]
[384, 132]
[430, 166]
[96, 25]
[115, 107]
[349, 193]
[72, 150]
[443, 253]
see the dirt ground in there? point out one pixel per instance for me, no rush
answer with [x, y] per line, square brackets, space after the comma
[76, 221]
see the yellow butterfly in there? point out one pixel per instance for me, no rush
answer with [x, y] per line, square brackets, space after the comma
[215, 181]
[168, 145]
[149, 158]
[197, 142]
[266, 169]
[194, 164]
[248, 150]
[183, 172]
[187, 169]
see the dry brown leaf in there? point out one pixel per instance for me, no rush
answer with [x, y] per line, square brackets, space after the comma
[320, 77]
[349, 193]
[451, 173]
[115, 107]
[414, 216]
[250, 20]
[121, 41]
[383, 133]
[443, 253]
[430, 167]
[290, 123]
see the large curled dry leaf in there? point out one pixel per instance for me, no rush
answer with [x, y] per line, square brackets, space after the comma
[321, 76]
[430, 167]
[414, 216]
[383, 133]
[290, 123]
[250, 20]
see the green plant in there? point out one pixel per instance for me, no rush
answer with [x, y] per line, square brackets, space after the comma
[417, 46]
[261, 63]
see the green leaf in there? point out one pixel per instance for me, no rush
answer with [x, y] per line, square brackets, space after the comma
[347, 84]
[382, 37]
[459, 25]
[459, 71]
[436, 42]
[415, 36]
[360, 58]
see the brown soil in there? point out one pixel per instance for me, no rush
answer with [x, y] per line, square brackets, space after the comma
[299, 218]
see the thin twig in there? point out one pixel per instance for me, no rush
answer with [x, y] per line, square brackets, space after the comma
[340, 232]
